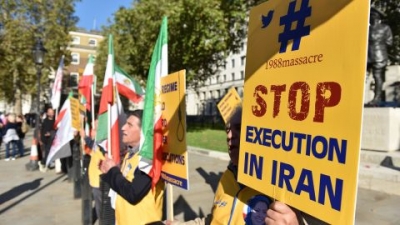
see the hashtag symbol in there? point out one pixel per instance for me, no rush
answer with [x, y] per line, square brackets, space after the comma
[300, 30]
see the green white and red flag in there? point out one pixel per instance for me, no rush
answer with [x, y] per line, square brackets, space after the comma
[56, 89]
[151, 132]
[127, 86]
[109, 110]
[86, 83]
[60, 147]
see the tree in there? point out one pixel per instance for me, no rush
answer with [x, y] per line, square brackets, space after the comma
[23, 21]
[201, 35]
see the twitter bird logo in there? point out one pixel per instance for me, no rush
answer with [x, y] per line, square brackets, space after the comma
[266, 20]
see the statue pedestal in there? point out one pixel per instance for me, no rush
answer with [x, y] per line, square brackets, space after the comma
[381, 129]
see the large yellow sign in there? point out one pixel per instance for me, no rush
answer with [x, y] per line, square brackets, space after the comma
[175, 158]
[303, 104]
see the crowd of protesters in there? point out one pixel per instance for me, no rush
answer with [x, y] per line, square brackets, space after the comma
[12, 133]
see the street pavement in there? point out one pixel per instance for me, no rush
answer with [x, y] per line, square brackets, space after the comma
[32, 197]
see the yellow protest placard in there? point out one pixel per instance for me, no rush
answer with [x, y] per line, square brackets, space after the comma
[175, 158]
[75, 113]
[303, 102]
[229, 103]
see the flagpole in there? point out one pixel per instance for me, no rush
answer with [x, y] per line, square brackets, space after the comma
[92, 106]
[109, 131]
[170, 202]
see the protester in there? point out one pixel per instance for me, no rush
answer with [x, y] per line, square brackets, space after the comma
[47, 133]
[10, 136]
[1, 129]
[135, 203]
[22, 129]
[96, 155]
[232, 199]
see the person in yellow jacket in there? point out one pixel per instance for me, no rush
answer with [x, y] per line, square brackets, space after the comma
[96, 155]
[237, 204]
[136, 203]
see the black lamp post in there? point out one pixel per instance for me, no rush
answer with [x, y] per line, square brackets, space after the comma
[38, 52]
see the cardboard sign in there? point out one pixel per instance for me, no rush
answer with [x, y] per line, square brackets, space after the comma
[303, 103]
[229, 103]
[75, 113]
[175, 157]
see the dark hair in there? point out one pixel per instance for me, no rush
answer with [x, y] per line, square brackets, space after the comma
[252, 203]
[138, 113]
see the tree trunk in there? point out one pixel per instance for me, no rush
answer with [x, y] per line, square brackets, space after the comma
[17, 95]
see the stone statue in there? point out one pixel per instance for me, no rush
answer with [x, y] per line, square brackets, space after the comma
[380, 36]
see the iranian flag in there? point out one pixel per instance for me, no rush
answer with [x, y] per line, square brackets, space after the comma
[127, 86]
[60, 147]
[86, 82]
[56, 89]
[151, 133]
[109, 110]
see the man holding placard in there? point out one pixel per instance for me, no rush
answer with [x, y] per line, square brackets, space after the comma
[235, 203]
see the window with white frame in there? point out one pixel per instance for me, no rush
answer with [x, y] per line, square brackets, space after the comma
[240, 92]
[73, 79]
[216, 94]
[76, 40]
[75, 58]
[92, 42]
[201, 95]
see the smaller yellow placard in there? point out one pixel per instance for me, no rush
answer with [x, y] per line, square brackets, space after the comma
[75, 114]
[229, 103]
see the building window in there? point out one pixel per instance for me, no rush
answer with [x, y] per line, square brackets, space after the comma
[92, 42]
[242, 74]
[241, 92]
[73, 79]
[216, 94]
[75, 58]
[233, 76]
[76, 40]
[223, 78]
[233, 63]
[218, 79]
[243, 60]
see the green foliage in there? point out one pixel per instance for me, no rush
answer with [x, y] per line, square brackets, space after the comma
[201, 34]
[22, 22]
[207, 139]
